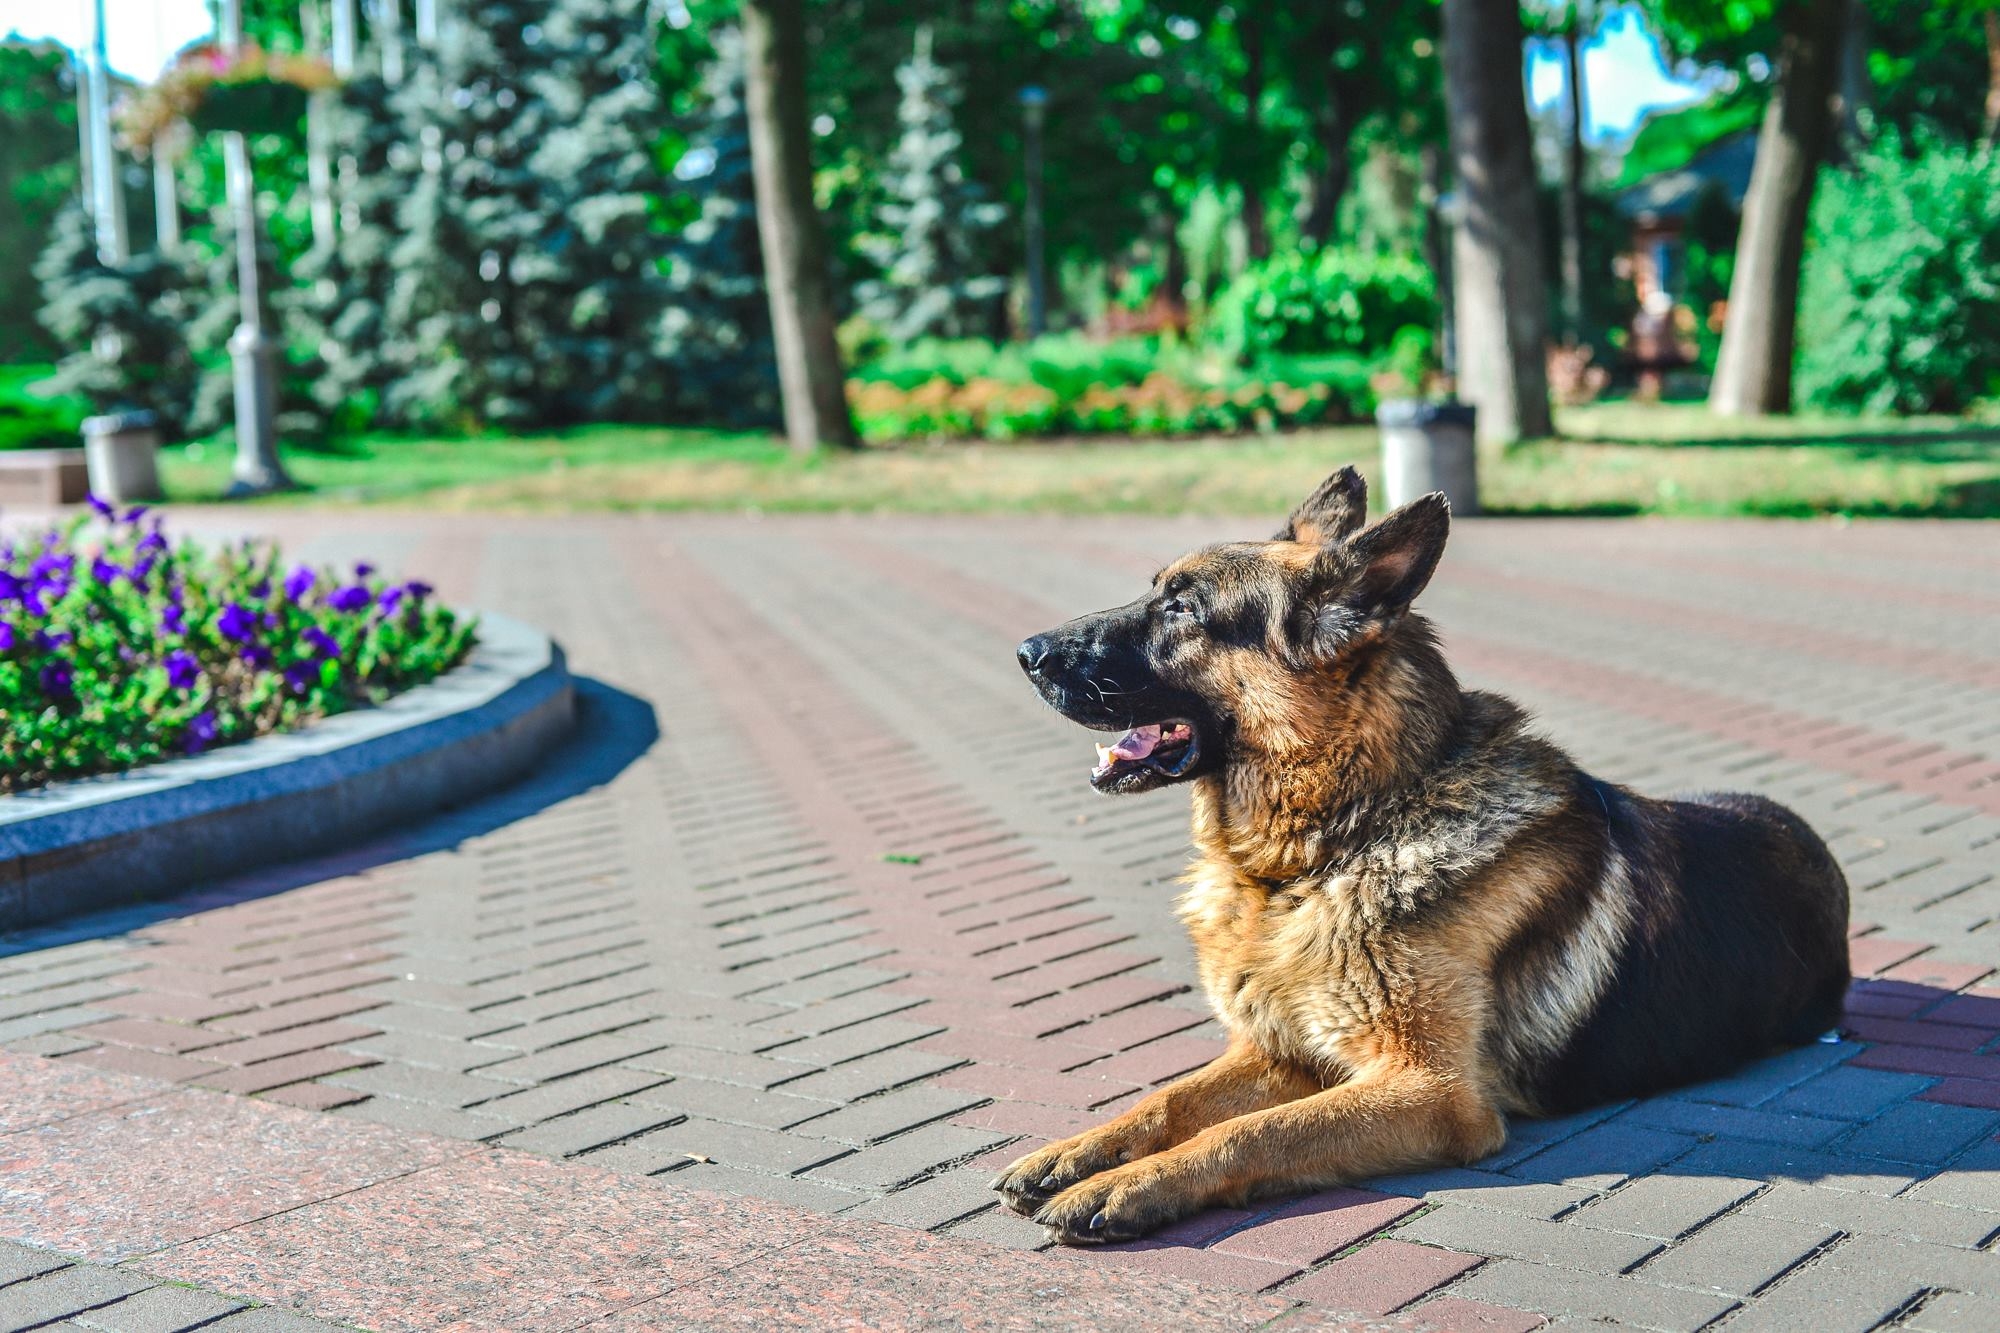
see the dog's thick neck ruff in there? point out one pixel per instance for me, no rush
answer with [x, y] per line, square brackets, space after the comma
[1361, 735]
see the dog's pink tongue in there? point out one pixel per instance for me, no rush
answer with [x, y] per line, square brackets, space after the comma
[1133, 745]
[1136, 744]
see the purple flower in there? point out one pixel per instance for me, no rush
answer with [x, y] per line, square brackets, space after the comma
[200, 733]
[362, 569]
[103, 570]
[135, 513]
[152, 543]
[182, 669]
[236, 622]
[261, 589]
[141, 570]
[299, 582]
[353, 597]
[58, 679]
[301, 676]
[51, 638]
[6, 637]
[256, 654]
[174, 618]
[12, 589]
[418, 589]
[319, 644]
[104, 510]
[391, 598]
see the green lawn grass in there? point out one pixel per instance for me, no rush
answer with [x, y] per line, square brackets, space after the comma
[1612, 459]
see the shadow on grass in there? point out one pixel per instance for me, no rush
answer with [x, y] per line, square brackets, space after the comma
[1945, 444]
[613, 729]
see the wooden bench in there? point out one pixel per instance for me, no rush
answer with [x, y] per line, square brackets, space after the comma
[42, 478]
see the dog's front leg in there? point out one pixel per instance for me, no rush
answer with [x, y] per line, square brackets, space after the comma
[1387, 1122]
[1240, 1080]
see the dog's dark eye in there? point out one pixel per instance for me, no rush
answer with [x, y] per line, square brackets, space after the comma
[1175, 608]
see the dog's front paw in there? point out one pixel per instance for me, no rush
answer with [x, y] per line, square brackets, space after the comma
[1123, 1204]
[1043, 1174]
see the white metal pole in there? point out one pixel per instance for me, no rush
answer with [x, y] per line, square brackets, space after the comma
[319, 165]
[166, 199]
[343, 39]
[388, 16]
[83, 133]
[427, 23]
[250, 347]
[107, 199]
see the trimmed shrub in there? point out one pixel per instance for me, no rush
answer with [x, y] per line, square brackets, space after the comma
[1900, 310]
[1332, 300]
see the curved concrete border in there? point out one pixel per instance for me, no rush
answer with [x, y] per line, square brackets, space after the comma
[103, 842]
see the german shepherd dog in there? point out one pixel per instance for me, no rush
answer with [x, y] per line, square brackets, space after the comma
[1413, 914]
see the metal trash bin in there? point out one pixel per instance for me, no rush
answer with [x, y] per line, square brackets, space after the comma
[1427, 447]
[121, 451]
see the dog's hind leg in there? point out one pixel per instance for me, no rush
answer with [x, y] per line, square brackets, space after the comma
[1395, 1121]
[1240, 1080]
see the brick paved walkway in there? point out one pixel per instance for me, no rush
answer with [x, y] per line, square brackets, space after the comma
[816, 922]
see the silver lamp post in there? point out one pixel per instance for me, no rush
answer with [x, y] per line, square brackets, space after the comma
[107, 200]
[1034, 107]
[251, 347]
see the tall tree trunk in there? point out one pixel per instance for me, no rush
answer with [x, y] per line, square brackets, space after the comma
[1500, 289]
[1332, 131]
[1753, 369]
[1329, 184]
[810, 377]
[1256, 229]
[1572, 186]
[1993, 75]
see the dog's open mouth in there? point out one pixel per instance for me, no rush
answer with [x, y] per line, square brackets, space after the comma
[1146, 756]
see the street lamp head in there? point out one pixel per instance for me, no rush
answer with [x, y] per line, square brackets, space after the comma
[1034, 101]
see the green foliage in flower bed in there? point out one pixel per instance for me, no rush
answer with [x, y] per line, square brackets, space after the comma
[1067, 384]
[120, 648]
[30, 420]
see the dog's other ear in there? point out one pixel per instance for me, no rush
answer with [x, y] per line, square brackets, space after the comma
[1331, 513]
[1395, 559]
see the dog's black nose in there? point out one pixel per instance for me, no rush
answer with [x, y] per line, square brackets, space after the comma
[1032, 653]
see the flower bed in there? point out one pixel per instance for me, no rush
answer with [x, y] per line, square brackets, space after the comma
[1068, 385]
[120, 648]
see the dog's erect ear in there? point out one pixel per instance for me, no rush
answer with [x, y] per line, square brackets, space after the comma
[1331, 513]
[1395, 559]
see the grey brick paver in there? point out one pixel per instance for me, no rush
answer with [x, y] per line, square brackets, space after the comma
[881, 1117]
[20, 1262]
[1921, 1132]
[569, 1135]
[1909, 1218]
[1846, 1092]
[1738, 1255]
[1560, 1291]
[743, 1146]
[933, 1203]
[900, 1160]
[162, 1309]
[1528, 1238]
[1956, 1312]
[1664, 1206]
[67, 1291]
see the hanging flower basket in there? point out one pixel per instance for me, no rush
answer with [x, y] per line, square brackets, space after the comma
[250, 91]
[263, 106]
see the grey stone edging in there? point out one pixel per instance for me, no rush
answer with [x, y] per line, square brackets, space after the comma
[102, 842]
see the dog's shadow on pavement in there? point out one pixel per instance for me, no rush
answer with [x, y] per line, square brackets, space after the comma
[613, 729]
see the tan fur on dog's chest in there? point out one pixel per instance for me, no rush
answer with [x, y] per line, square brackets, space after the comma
[1299, 973]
